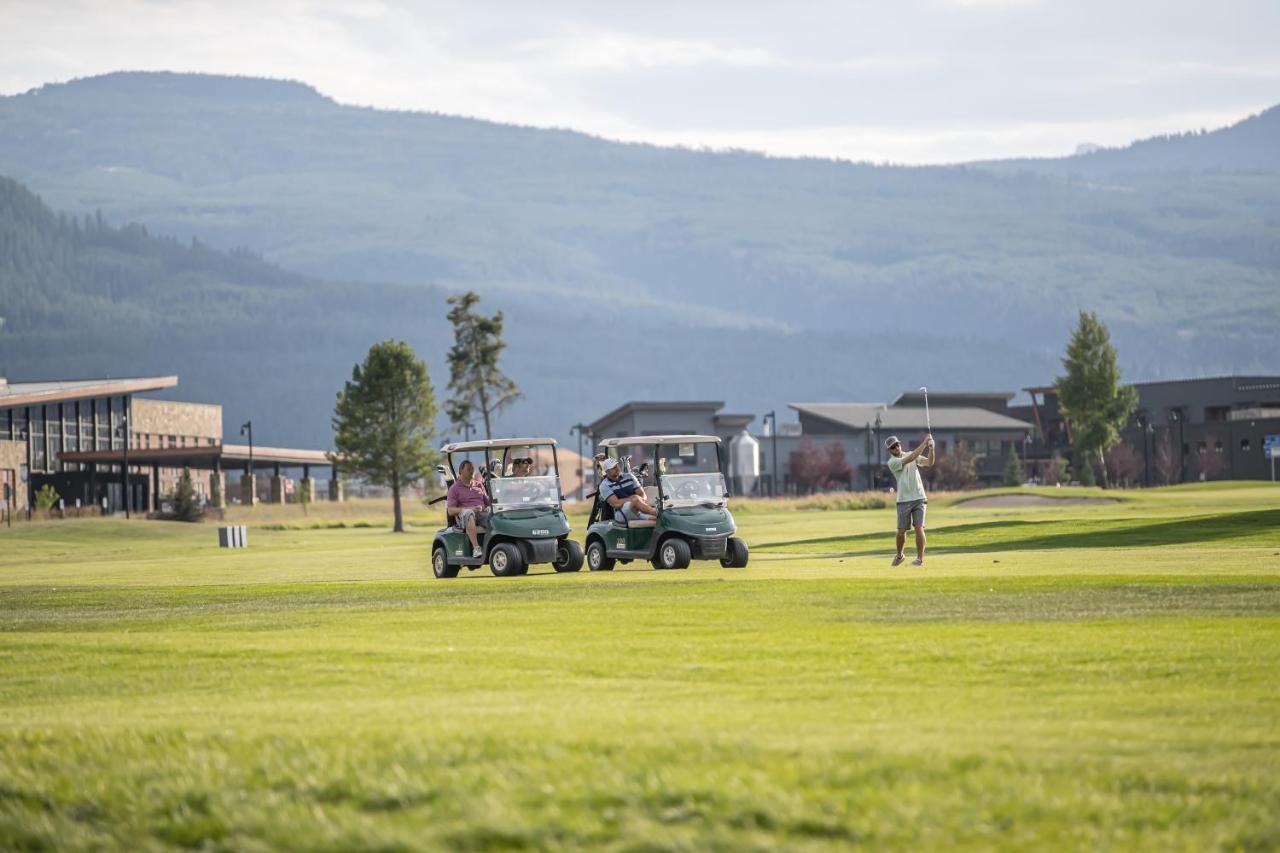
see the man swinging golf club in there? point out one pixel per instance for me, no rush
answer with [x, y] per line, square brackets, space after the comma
[911, 497]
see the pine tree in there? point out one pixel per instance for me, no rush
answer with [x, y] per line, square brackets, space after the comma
[1090, 393]
[477, 383]
[1014, 473]
[186, 507]
[384, 418]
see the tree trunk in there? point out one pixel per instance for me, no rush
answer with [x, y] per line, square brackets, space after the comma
[484, 410]
[1102, 464]
[395, 500]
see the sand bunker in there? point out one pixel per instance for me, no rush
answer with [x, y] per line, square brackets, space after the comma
[1031, 500]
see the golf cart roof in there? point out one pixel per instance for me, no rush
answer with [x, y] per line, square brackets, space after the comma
[660, 439]
[496, 444]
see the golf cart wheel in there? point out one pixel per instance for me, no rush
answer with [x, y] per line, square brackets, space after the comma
[735, 555]
[674, 553]
[505, 560]
[598, 560]
[568, 556]
[440, 564]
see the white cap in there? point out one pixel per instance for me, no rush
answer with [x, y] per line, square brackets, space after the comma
[891, 441]
[609, 464]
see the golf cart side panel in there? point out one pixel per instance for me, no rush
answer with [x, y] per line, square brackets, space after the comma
[456, 544]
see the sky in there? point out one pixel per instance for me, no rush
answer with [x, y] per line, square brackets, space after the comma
[900, 81]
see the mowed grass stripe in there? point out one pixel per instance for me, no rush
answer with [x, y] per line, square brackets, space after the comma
[1257, 527]
[321, 691]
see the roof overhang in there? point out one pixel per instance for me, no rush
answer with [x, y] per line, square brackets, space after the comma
[496, 444]
[204, 458]
[651, 405]
[59, 391]
[626, 441]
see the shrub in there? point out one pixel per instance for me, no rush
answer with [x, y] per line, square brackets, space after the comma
[47, 498]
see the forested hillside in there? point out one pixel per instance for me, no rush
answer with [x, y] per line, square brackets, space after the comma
[80, 297]
[754, 279]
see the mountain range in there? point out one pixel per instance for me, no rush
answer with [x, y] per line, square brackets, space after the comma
[633, 271]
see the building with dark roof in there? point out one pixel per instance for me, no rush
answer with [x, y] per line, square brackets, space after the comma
[980, 420]
[81, 436]
[1182, 430]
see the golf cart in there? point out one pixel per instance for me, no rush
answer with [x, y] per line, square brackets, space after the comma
[527, 523]
[684, 482]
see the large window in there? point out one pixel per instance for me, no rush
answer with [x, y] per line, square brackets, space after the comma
[85, 408]
[20, 425]
[39, 450]
[102, 416]
[117, 422]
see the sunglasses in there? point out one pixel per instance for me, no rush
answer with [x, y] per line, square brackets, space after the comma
[524, 460]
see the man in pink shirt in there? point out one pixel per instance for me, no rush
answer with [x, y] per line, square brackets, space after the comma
[467, 503]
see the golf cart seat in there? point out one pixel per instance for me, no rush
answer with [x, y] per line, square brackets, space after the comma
[643, 522]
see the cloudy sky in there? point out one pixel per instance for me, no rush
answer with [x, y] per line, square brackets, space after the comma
[907, 81]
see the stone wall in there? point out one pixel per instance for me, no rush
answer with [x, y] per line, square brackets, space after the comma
[13, 455]
[165, 418]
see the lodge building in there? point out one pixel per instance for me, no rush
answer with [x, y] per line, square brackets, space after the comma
[81, 436]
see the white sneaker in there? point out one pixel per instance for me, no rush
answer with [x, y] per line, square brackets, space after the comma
[477, 552]
[917, 562]
[897, 561]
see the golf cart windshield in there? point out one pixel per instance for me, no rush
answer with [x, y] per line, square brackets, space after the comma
[525, 478]
[525, 492]
[691, 475]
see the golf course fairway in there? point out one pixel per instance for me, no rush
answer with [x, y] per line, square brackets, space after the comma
[1086, 675]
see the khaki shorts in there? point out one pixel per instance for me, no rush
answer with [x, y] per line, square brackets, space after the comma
[911, 514]
[482, 517]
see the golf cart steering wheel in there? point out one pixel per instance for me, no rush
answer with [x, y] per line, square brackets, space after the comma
[688, 490]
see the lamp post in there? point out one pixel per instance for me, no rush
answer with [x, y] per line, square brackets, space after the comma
[1148, 439]
[581, 430]
[772, 417]
[1175, 416]
[246, 428]
[124, 471]
[870, 486]
[878, 448]
[466, 431]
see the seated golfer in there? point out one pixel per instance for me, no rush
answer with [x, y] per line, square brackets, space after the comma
[624, 493]
[467, 503]
[911, 497]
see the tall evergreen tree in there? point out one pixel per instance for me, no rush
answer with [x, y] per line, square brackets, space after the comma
[477, 383]
[1014, 473]
[1091, 395]
[186, 507]
[384, 419]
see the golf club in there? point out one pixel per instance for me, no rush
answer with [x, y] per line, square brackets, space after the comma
[928, 425]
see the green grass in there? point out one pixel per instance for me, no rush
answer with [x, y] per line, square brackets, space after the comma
[1081, 676]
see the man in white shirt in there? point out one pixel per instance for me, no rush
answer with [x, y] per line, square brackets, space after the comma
[911, 498]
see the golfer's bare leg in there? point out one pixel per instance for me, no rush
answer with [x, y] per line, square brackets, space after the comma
[902, 541]
[471, 531]
[640, 506]
[919, 542]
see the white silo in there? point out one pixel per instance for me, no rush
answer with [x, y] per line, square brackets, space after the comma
[744, 463]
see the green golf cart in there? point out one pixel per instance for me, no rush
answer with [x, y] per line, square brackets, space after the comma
[684, 482]
[526, 524]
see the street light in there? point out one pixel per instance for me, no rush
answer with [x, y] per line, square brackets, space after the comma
[1175, 416]
[246, 428]
[772, 417]
[124, 430]
[878, 448]
[582, 431]
[1144, 424]
[870, 485]
[466, 431]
